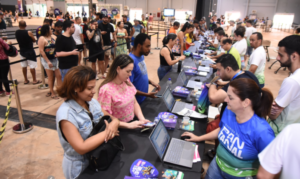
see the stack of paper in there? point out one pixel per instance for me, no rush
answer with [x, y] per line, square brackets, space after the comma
[191, 113]
[212, 112]
[196, 155]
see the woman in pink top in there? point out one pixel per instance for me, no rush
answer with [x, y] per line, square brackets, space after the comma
[4, 68]
[117, 94]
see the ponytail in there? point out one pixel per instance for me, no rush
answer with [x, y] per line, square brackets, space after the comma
[261, 99]
[263, 108]
[167, 38]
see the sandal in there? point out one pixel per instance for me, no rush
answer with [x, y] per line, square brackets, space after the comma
[27, 82]
[54, 97]
[48, 94]
[38, 82]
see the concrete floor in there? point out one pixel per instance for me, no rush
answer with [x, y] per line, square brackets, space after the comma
[38, 153]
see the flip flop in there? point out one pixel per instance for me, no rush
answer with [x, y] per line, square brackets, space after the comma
[54, 97]
[48, 94]
[27, 82]
[38, 82]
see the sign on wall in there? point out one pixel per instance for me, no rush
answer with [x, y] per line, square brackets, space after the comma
[112, 10]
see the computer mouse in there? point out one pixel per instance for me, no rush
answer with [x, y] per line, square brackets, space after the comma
[185, 137]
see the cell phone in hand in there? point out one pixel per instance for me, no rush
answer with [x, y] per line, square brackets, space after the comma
[80, 50]
[149, 124]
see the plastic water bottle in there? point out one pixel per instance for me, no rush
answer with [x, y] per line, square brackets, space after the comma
[169, 83]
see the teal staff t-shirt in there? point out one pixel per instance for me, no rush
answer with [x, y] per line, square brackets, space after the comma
[240, 144]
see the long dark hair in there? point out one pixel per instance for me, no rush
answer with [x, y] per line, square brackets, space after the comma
[167, 38]
[121, 61]
[45, 30]
[261, 99]
[186, 26]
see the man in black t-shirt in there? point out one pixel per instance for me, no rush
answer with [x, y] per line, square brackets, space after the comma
[227, 70]
[96, 44]
[85, 27]
[106, 28]
[65, 47]
[130, 30]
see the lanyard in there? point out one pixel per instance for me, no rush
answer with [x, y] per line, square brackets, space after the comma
[229, 50]
[236, 75]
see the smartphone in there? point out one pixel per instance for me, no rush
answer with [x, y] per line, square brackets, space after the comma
[149, 124]
[80, 50]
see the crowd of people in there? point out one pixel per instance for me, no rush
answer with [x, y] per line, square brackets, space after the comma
[256, 133]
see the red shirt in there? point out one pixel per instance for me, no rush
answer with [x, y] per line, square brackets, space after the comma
[3, 45]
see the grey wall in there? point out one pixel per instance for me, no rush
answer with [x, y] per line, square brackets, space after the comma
[290, 6]
[9, 2]
[264, 8]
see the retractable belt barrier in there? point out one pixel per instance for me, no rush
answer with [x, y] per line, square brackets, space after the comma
[111, 48]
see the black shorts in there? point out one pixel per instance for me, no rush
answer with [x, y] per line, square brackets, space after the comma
[128, 45]
[79, 47]
[100, 57]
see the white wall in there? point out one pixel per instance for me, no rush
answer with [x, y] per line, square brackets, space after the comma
[264, 8]
[290, 6]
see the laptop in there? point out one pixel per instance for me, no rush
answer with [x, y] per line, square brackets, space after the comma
[174, 151]
[173, 105]
[189, 83]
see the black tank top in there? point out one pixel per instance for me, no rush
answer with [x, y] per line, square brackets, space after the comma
[24, 40]
[163, 61]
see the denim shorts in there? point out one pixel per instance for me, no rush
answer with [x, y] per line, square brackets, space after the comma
[53, 61]
[72, 167]
[63, 73]
[249, 51]
[162, 71]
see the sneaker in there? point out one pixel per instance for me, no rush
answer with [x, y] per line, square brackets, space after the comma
[1, 93]
[8, 93]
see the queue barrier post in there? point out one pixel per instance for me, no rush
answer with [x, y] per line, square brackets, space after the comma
[21, 127]
[157, 48]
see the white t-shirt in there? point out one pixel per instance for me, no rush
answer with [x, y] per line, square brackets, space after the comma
[233, 28]
[288, 98]
[241, 46]
[248, 33]
[76, 35]
[283, 154]
[111, 34]
[216, 40]
[258, 58]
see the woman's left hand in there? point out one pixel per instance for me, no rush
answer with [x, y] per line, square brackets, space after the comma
[111, 129]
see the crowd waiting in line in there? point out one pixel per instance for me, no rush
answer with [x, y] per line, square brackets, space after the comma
[256, 133]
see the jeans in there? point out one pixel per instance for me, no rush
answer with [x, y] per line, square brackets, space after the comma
[162, 71]
[261, 85]
[249, 51]
[3, 75]
[214, 172]
[63, 73]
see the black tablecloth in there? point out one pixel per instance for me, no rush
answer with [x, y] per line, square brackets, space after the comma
[137, 144]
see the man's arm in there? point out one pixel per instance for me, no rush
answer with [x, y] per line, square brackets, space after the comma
[216, 57]
[90, 34]
[31, 36]
[132, 31]
[157, 86]
[264, 174]
[151, 94]
[253, 68]
[275, 111]
[65, 54]
[216, 96]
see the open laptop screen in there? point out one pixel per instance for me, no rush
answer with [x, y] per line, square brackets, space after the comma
[168, 99]
[183, 77]
[160, 139]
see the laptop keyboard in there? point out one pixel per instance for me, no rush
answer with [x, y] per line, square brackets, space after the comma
[174, 151]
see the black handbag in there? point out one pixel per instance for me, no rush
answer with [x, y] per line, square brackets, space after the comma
[101, 157]
[11, 52]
